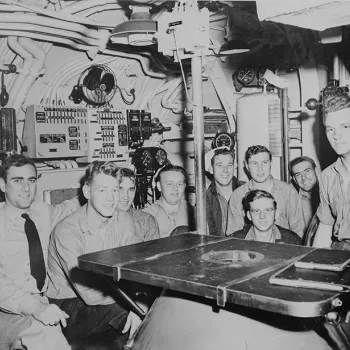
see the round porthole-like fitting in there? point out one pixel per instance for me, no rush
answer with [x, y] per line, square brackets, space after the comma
[235, 258]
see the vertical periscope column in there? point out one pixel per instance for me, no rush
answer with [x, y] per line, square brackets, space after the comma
[198, 128]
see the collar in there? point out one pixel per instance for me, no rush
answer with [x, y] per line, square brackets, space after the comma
[251, 183]
[304, 194]
[83, 222]
[275, 233]
[13, 214]
[339, 167]
[181, 205]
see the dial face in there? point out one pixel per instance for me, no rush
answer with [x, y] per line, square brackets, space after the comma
[224, 140]
[245, 75]
[161, 157]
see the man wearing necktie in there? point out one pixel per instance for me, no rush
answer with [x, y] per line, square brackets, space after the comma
[27, 320]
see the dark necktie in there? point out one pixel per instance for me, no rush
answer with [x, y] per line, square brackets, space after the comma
[36, 256]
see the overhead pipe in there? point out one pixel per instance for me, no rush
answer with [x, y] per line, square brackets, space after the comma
[67, 42]
[61, 15]
[37, 69]
[80, 6]
[51, 31]
[140, 59]
[23, 71]
[48, 23]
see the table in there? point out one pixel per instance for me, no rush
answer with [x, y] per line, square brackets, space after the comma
[227, 270]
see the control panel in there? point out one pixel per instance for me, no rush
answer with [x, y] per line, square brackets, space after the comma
[107, 135]
[52, 132]
[85, 133]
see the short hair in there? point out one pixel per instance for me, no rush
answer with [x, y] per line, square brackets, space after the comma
[298, 160]
[15, 160]
[253, 195]
[253, 150]
[99, 167]
[335, 103]
[127, 173]
[222, 151]
[170, 167]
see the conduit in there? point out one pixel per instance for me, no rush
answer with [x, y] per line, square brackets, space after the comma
[142, 62]
[22, 71]
[68, 42]
[37, 69]
[60, 15]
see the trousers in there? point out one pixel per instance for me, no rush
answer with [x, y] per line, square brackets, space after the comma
[89, 320]
[25, 332]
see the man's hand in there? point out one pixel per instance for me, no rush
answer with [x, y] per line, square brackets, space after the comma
[132, 323]
[50, 315]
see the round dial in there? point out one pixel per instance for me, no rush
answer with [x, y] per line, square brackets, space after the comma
[245, 75]
[161, 157]
[224, 139]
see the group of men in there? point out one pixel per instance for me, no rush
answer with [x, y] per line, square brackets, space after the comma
[232, 206]
[45, 299]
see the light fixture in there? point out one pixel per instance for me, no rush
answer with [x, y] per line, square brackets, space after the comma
[233, 47]
[138, 31]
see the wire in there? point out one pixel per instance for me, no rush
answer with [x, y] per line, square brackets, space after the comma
[132, 92]
[182, 71]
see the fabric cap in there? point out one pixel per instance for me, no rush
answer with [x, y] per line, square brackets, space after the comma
[209, 155]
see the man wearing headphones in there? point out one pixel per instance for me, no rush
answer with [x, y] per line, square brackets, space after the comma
[171, 210]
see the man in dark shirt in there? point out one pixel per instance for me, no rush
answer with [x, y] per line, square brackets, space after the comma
[220, 163]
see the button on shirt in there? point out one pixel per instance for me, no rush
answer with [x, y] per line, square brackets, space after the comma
[334, 208]
[288, 205]
[73, 237]
[18, 288]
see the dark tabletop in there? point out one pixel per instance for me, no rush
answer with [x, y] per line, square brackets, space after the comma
[228, 270]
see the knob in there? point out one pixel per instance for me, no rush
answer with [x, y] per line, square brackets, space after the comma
[312, 104]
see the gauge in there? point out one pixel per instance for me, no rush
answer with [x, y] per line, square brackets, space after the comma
[161, 157]
[224, 139]
[245, 75]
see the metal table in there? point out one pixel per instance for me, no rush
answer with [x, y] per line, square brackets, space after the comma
[202, 265]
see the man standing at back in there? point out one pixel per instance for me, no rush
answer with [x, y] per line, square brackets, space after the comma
[145, 224]
[219, 192]
[258, 163]
[96, 226]
[334, 209]
[304, 173]
[27, 320]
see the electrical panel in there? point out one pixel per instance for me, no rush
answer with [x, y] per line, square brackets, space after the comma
[140, 128]
[108, 135]
[85, 133]
[55, 132]
[8, 139]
